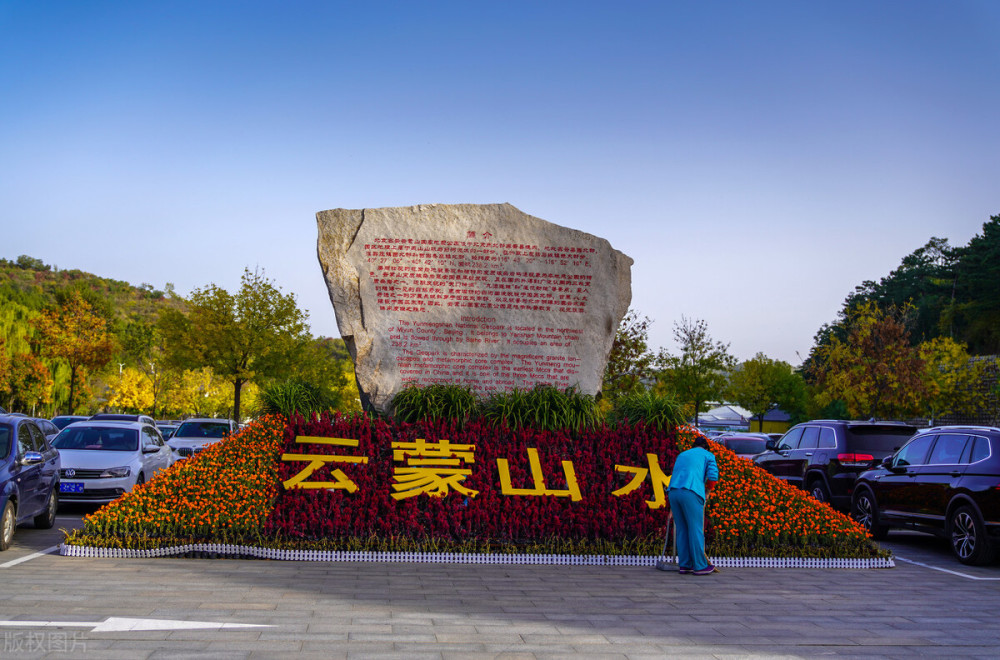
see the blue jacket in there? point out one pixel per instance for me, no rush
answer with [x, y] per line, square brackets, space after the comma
[692, 469]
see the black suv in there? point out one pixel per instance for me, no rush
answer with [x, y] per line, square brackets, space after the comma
[825, 456]
[945, 481]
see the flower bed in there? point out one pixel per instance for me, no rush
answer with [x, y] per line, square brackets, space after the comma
[358, 485]
[224, 493]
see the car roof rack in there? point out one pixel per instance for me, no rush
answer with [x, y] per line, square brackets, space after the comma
[961, 427]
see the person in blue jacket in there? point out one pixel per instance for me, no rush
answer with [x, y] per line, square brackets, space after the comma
[694, 476]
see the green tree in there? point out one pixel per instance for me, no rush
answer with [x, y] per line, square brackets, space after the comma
[4, 368]
[925, 279]
[699, 373]
[142, 349]
[875, 371]
[630, 361]
[761, 384]
[246, 337]
[977, 312]
[78, 335]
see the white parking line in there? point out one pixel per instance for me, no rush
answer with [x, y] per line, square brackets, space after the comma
[944, 570]
[34, 555]
[121, 624]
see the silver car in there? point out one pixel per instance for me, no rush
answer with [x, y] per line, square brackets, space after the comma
[101, 460]
[195, 434]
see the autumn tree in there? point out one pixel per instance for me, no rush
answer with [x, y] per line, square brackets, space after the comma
[761, 384]
[699, 373]
[27, 383]
[243, 338]
[874, 371]
[951, 379]
[630, 361]
[75, 333]
[131, 392]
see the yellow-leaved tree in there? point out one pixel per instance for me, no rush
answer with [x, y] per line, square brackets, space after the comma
[951, 379]
[198, 393]
[132, 391]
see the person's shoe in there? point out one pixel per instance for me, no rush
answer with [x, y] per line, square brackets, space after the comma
[685, 571]
[708, 570]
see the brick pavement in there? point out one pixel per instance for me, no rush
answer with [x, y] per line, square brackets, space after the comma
[355, 610]
[352, 610]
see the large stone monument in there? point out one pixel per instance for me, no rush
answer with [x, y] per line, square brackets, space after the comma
[479, 295]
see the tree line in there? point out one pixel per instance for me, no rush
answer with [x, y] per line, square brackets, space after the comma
[71, 342]
[921, 343]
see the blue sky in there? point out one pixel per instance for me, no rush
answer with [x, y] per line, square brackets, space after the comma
[757, 160]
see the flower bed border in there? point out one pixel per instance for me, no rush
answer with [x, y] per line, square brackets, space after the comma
[244, 551]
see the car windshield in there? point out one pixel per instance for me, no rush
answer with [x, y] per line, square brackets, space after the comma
[745, 445]
[4, 440]
[882, 439]
[202, 430]
[97, 438]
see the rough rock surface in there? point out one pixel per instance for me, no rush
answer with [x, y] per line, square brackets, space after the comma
[480, 295]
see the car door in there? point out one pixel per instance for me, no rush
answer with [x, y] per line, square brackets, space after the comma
[779, 462]
[50, 464]
[800, 457]
[155, 455]
[935, 480]
[897, 490]
[29, 477]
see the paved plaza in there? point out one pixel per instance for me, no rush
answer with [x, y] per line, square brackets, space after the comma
[61, 607]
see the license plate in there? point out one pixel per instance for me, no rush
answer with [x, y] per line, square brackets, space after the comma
[70, 487]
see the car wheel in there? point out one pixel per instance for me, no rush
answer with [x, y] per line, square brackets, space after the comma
[968, 537]
[865, 512]
[141, 479]
[819, 491]
[7, 524]
[46, 519]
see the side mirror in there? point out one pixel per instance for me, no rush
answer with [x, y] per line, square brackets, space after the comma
[886, 462]
[770, 445]
[31, 458]
[150, 449]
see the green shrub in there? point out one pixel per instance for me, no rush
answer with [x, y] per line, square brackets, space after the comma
[289, 397]
[435, 402]
[660, 412]
[542, 407]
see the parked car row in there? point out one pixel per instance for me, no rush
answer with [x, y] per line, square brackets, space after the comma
[91, 459]
[888, 475]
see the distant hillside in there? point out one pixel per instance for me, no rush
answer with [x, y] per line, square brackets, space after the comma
[27, 286]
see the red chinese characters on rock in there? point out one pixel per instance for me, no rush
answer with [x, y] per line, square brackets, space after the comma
[484, 355]
[418, 275]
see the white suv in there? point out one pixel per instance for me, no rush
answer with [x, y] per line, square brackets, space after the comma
[195, 434]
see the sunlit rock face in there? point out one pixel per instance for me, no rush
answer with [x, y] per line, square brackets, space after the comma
[478, 295]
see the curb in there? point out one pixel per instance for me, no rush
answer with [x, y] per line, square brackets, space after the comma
[216, 550]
